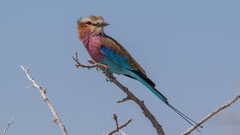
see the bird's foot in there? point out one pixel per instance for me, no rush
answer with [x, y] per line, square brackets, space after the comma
[112, 79]
[109, 76]
[106, 78]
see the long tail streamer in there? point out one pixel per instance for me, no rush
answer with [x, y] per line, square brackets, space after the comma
[189, 120]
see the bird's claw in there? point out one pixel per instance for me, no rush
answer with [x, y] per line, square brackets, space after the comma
[109, 76]
[106, 78]
[112, 79]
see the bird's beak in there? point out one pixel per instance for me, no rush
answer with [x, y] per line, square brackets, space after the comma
[104, 24]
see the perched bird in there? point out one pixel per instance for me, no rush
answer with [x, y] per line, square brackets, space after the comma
[105, 50]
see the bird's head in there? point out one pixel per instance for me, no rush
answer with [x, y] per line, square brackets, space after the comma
[91, 25]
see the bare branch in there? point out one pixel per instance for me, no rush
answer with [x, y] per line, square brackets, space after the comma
[118, 128]
[146, 112]
[43, 95]
[211, 115]
[78, 64]
[9, 123]
[130, 95]
[95, 65]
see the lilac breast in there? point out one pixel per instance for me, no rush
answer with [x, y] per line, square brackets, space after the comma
[93, 47]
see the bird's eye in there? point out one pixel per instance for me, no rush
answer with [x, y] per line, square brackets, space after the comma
[88, 23]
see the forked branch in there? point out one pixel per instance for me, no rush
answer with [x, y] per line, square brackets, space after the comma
[118, 128]
[9, 123]
[43, 95]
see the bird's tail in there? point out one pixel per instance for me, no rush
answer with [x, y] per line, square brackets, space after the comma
[164, 99]
[150, 85]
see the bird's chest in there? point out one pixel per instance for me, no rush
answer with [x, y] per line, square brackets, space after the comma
[93, 48]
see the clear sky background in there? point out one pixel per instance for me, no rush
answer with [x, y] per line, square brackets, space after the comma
[189, 48]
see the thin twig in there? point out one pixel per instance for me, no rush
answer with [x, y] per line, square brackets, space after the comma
[78, 64]
[122, 132]
[130, 95]
[123, 100]
[116, 120]
[43, 95]
[211, 114]
[118, 128]
[9, 123]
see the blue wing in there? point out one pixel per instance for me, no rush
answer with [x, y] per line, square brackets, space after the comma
[121, 61]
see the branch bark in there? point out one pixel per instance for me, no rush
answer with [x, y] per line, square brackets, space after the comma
[212, 114]
[9, 123]
[130, 95]
[43, 95]
[118, 128]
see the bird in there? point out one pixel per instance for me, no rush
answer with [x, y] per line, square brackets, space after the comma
[106, 50]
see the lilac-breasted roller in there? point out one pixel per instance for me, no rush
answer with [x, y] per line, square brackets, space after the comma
[105, 50]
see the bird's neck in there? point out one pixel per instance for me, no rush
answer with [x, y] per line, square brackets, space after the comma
[88, 37]
[85, 36]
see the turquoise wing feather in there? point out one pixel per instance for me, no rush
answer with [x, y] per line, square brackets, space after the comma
[121, 61]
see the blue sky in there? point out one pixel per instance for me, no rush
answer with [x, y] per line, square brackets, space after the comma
[190, 49]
